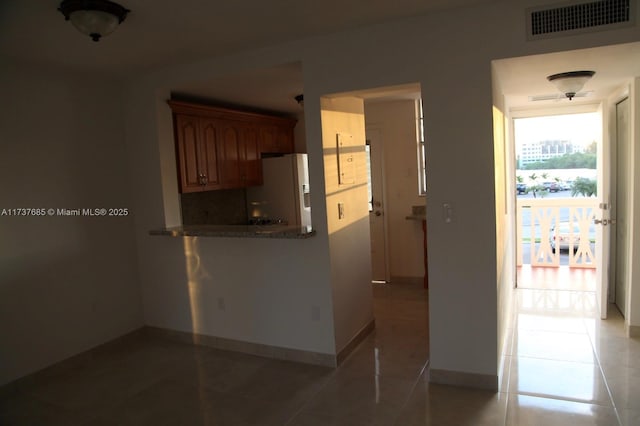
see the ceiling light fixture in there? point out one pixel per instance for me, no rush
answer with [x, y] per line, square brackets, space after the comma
[570, 82]
[95, 18]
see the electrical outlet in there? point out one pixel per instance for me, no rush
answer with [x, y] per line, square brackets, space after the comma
[340, 210]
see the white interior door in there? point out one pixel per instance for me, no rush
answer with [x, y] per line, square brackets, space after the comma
[622, 199]
[377, 220]
[602, 220]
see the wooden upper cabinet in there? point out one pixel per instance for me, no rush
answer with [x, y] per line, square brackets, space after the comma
[209, 153]
[186, 129]
[284, 139]
[250, 162]
[276, 138]
[228, 155]
[218, 148]
[196, 148]
[267, 138]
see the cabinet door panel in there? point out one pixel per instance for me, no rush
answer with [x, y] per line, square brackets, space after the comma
[284, 140]
[188, 155]
[209, 152]
[228, 158]
[267, 138]
[250, 162]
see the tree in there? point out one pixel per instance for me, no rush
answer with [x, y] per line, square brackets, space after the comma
[537, 188]
[577, 160]
[584, 186]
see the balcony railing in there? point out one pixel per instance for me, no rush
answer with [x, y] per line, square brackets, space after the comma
[548, 227]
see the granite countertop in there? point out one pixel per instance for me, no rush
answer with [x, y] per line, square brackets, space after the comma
[236, 231]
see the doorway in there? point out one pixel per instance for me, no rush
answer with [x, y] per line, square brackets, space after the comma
[392, 134]
[556, 188]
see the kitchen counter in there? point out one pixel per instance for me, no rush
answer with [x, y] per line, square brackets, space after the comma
[236, 231]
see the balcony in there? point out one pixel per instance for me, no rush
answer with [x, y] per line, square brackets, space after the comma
[555, 232]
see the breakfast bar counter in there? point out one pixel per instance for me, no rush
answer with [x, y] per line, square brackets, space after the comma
[236, 231]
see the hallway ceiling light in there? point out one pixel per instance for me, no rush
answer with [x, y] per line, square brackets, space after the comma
[95, 18]
[570, 82]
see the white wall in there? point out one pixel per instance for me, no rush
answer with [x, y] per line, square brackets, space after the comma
[66, 283]
[504, 158]
[349, 242]
[396, 121]
[453, 69]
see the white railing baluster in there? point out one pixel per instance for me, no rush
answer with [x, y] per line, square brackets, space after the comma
[545, 214]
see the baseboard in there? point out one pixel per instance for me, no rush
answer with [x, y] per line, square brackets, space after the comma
[632, 330]
[357, 339]
[460, 378]
[267, 351]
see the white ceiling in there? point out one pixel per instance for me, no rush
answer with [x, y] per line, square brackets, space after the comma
[526, 76]
[162, 32]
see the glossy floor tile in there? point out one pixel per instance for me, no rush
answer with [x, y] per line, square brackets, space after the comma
[562, 365]
[556, 278]
[532, 410]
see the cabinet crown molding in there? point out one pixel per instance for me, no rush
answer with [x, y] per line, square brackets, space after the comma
[183, 107]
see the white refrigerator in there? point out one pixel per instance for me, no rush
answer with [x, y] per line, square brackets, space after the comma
[284, 196]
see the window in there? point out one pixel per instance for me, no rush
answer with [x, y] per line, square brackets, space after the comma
[422, 153]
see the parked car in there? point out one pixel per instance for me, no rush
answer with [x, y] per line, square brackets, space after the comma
[551, 186]
[565, 240]
[521, 188]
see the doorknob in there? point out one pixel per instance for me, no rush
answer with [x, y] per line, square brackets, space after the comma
[602, 222]
[378, 213]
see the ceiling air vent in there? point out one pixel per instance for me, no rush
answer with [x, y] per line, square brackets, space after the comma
[579, 17]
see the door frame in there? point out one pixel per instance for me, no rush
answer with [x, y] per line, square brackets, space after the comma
[375, 133]
[618, 96]
[589, 107]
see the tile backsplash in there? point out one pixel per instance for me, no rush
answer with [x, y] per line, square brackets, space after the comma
[223, 207]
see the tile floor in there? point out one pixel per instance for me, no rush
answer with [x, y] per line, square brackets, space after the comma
[562, 366]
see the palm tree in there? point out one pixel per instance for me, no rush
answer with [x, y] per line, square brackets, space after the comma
[537, 188]
[585, 187]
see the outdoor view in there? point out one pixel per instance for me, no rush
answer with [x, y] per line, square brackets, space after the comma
[556, 185]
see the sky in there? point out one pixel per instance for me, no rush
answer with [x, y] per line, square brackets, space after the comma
[579, 129]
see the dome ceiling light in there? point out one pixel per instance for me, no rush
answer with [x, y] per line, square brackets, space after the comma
[570, 82]
[95, 18]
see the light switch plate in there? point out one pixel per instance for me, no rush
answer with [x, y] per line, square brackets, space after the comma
[447, 212]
